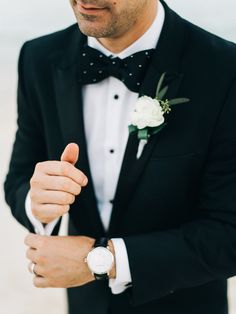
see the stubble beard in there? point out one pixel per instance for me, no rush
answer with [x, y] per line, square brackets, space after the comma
[113, 28]
[107, 30]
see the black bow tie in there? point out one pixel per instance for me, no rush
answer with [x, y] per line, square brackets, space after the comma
[95, 67]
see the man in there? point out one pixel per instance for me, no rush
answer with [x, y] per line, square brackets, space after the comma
[149, 232]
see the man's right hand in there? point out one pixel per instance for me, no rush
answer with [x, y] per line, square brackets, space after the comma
[55, 184]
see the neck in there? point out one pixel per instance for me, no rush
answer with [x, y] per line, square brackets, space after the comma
[121, 42]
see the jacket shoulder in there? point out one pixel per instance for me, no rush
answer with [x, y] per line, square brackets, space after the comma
[211, 49]
[44, 46]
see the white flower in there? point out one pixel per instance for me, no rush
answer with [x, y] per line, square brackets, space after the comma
[148, 113]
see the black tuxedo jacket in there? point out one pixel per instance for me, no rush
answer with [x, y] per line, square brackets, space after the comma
[175, 207]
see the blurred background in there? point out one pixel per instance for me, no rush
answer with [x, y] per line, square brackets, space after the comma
[27, 19]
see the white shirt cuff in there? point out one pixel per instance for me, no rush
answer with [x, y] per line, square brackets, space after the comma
[123, 275]
[38, 226]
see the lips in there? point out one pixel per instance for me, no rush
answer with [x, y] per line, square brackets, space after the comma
[87, 6]
[90, 7]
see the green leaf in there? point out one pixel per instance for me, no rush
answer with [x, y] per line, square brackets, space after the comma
[162, 93]
[160, 84]
[143, 134]
[178, 101]
[132, 128]
[158, 129]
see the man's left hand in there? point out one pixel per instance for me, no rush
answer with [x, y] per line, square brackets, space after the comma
[59, 260]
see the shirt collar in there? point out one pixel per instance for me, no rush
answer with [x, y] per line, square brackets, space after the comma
[147, 41]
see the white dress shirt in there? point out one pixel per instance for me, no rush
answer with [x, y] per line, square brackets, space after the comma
[107, 108]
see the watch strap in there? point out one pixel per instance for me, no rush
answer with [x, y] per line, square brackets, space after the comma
[101, 277]
[101, 242]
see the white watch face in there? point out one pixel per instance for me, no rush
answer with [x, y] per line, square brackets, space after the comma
[100, 260]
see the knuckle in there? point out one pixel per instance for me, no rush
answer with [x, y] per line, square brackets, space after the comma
[36, 258]
[43, 272]
[64, 199]
[65, 185]
[40, 214]
[39, 166]
[41, 259]
[65, 168]
[78, 190]
[65, 209]
[41, 243]
[37, 213]
[84, 180]
[34, 182]
[60, 211]
[67, 199]
[71, 199]
[32, 194]
[35, 199]
[34, 210]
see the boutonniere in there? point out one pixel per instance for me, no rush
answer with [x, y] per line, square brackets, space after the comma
[148, 118]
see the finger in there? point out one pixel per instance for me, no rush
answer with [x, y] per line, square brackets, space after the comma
[59, 183]
[71, 153]
[58, 168]
[41, 282]
[31, 255]
[33, 240]
[38, 270]
[46, 213]
[52, 197]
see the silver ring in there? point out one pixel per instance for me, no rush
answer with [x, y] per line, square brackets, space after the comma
[32, 266]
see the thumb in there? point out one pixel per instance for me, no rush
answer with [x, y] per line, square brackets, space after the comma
[71, 153]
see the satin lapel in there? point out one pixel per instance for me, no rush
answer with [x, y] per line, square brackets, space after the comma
[167, 58]
[70, 113]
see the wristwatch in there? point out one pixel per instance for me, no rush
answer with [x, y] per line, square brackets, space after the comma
[100, 260]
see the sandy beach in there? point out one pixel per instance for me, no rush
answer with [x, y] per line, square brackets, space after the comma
[20, 21]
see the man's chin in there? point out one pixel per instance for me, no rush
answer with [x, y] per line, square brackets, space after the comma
[93, 30]
[89, 32]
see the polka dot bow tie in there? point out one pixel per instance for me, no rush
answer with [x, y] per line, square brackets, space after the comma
[95, 67]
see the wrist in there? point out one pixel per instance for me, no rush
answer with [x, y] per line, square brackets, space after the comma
[89, 247]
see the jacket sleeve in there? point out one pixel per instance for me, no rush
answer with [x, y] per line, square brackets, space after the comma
[204, 249]
[29, 146]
